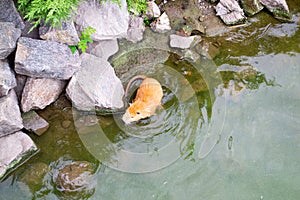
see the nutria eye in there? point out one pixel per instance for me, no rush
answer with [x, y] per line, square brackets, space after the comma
[138, 113]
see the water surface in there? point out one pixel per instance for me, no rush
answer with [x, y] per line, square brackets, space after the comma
[237, 136]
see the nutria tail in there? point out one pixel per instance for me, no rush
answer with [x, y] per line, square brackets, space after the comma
[132, 80]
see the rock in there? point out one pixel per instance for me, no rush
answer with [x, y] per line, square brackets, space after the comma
[251, 7]
[279, 8]
[207, 49]
[95, 85]
[230, 12]
[8, 38]
[66, 34]
[136, 29]
[162, 24]
[7, 78]
[33, 175]
[21, 80]
[10, 115]
[109, 19]
[40, 92]
[104, 48]
[75, 177]
[45, 59]
[15, 149]
[194, 19]
[183, 42]
[139, 61]
[78, 97]
[9, 13]
[193, 26]
[34, 123]
[66, 124]
[153, 10]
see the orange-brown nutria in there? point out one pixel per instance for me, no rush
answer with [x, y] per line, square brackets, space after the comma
[148, 98]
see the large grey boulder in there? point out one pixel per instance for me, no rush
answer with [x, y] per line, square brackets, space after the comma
[40, 92]
[251, 7]
[136, 29]
[109, 19]
[279, 8]
[230, 12]
[8, 38]
[104, 48]
[95, 86]
[7, 78]
[45, 59]
[15, 149]
[10, 115]
[66, 34]
[9, 13]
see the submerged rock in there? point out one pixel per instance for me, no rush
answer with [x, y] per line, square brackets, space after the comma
[7, 78]
[40, 92]
[207, 49]
[8, 38]
[230, 12]
[251, 7]
[9, 13]
[136, 29]
[45, 59]
[183, 42]
[279, 8]
[162, 24]
[139, 61]
[66, 34]
[95, 86]
[33, 175]
[75, 177]
[10, 115]
[34, 123]
[15, 149]
[104, 48]
[109, 19]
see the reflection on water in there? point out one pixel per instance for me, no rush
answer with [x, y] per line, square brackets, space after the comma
[253, 154]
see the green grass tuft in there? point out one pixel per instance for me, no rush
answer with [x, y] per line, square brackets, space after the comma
[51, 12]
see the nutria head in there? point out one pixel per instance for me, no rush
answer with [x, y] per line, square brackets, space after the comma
[136, 111]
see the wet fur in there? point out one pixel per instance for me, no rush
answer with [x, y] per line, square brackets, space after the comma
[147, 100]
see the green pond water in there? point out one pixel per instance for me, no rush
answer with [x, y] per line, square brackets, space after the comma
[229, 127]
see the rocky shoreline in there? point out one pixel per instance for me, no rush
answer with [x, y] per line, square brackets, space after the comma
[37, 67]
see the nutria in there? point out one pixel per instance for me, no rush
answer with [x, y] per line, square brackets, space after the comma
[148, 99]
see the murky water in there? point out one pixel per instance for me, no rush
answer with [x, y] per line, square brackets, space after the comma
[229, 128]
